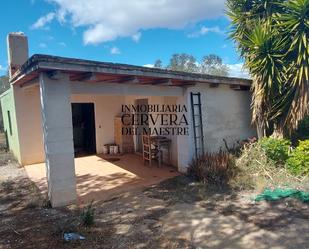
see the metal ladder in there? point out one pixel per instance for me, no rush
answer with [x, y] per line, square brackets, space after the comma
[196, 108]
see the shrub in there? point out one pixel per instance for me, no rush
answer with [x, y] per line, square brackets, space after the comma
[210, 168]
[250, 167]
[87, 216]
[255, 170]
[276, 149]
[298, 162]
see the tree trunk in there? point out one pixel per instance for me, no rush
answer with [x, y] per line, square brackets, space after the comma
[278, 132]
[260, 128]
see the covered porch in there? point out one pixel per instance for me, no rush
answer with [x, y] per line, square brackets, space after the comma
[48, 96]
[99, 177]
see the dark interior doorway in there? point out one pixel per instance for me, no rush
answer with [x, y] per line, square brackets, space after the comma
[83, 120]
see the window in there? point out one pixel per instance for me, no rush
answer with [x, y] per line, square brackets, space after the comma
[10, 124]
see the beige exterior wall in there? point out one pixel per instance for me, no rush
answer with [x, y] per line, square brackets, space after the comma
[105, 108]
[29, 123]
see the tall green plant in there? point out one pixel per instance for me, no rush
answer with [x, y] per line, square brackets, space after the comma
[272, 37]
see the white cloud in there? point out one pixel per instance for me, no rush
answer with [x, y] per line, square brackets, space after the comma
[2, 68]
[115, 50]
[148, 65]
[111, 19]
[237, 70]
[42, 21]
[205, 30]
[62, 44]
[42, 45]
[136, 37]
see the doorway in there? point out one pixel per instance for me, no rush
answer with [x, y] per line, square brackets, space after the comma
[83, 120]
[143, 126]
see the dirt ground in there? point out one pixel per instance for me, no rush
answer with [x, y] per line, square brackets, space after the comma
[177, 213]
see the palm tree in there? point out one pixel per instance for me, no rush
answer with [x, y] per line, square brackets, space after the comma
[272, 38]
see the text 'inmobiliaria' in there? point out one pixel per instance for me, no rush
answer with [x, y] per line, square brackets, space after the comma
[155, 119]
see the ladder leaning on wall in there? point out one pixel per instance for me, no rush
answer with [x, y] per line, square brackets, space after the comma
[196, 109]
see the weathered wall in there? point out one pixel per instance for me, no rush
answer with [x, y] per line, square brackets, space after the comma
[226, 115]
[29, 121]
[7, 104]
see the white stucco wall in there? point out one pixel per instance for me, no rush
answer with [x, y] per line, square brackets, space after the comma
[226, 115]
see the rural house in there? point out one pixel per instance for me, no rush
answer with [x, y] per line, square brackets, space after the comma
[59, 107]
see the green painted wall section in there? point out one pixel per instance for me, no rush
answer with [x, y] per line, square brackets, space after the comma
[8, 104]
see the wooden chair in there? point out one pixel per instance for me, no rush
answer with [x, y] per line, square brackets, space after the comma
[150, 153]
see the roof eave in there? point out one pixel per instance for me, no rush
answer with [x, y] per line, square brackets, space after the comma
[49, 63]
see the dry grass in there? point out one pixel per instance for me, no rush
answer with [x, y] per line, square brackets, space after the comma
[256, 170]
[211, 168]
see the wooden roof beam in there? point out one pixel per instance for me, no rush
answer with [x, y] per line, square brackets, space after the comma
[129, 80]
[29, 84]
[213, 85]
[157, 82]
[240, 87]
[88, 76]
[54, 74]
[183, 83]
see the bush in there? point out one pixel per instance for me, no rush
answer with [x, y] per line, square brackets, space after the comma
[255, 170]
[276, 149]
[298, 162]
[87, 216]
[210, 168]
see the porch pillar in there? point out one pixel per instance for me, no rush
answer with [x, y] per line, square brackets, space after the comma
[58, 139]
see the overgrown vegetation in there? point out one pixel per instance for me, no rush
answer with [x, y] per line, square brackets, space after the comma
[256, 165]
[211, 168]
[298, 162]
[276, 149]
[87, 217]
[256, 170]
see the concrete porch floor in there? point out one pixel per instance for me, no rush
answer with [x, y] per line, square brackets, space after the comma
[99, 179]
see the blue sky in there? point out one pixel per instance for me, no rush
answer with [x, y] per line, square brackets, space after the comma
[134, 32]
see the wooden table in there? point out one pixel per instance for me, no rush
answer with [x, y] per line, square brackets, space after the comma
[161, 142]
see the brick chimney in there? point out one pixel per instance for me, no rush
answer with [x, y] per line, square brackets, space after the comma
[17, 46]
